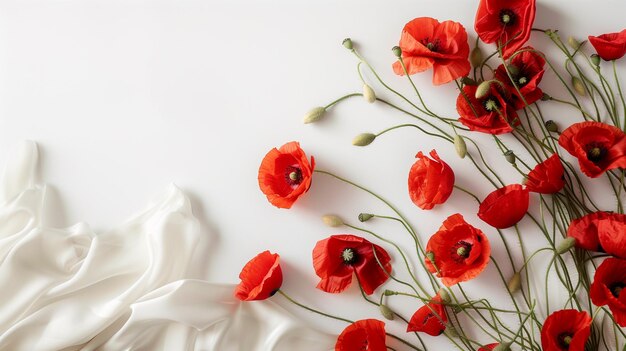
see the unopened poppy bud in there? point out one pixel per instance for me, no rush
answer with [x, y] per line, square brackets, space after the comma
[565, 245]
[347, 43]
[551, 126]
[397, 51]
[573, 43]
[483, 89]
[468, 81]
[595, 59]
[460, 146]
[451, 331]
[503, 346]
[509, 155]
[363, 139]
[368, 93]
[386, 312]
[445, 296]
[513, 70]
[390, 293]
[546, 97]
[364, 217]
[476, 57]
[515, 283]
[314, 115]
[578, 86]
[332, 220]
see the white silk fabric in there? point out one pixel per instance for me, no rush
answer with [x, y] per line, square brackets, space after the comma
[124, 289]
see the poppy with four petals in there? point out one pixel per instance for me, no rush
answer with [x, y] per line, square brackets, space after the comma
[430, 318]
[491, 114]
[526, 68]
[506, 23]
[504, 207]
[608, 288]
[285, 174]
[337, 257]
[610, 46]
[566, 330]
[461, 251]
[547, 177]
[365, 334]
[426, 43]
[430, 181]
[260, 278]
[597, 146]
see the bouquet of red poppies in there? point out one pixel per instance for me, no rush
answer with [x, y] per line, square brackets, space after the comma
[579, 235]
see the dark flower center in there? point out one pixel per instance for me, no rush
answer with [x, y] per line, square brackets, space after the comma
[595, 152]
[432, 45]
[293, 175]
[565, 339]
[349, 256]
[490, 103]
[617, 289]
[507, 17]
[461, 251]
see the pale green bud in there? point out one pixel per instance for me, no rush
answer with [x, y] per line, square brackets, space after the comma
[578, 86]
[332, 221]
[368, 93]
[460, 146]
[565, 245]
[363, 139]
[314, 115]
[386, 312]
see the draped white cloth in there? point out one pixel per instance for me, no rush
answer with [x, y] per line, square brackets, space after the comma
[125, 289]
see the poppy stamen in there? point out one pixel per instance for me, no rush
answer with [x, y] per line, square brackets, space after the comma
[490, 104]
[432, 45]
[522, 81]
[349, 256]
[617, 288]
[565, 340]
[507, 17]
[293, 175]
[595, 152]
[461, 250]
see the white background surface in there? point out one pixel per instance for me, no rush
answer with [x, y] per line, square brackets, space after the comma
[126, 96]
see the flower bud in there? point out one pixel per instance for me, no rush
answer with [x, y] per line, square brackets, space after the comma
[397, 51]
[578, 86]
[595, 59]
[460, 146]
[314, 115]
[573, 43]
[347, 43]
[363, 139]
[565, 245]
[551, 126]
[503, 346]
[476, 57]
[332, 221]
[468, 81]
[483, 89]
[364, 217]
[390, 292]
[386, 312]
[509, 155]
[546, 97]
[369, 94]
[445, 296]
[515, 283]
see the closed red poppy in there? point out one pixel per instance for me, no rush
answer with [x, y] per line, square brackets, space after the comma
[547, 177]
[608, 286]
[611, 46]
[430, 318]
[526, 69]
[260, 278]
[566, 330]
[504, 207]
[597, 146]
[585, 231]
[366, 334]
[461, 251]
[430, 181]
[426, 43]
[488, 347]
[337, 257]
[490, 114]
[285, 174]
[506, 23]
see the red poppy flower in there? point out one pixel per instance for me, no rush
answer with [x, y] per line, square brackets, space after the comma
[490, 114]
[426, 43]
[597, 146]
[430, 318]
[488, 347]
[461, 251]
[547, 177]
[504, 207]
[366, 334]
[526, 69]
[611, 46]
[585, 231]
[566, 330]
[612, 234]
[285, 174]
[608, 286]
[337, 257]
[430, 181]
[260, 278]
[506, 23]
